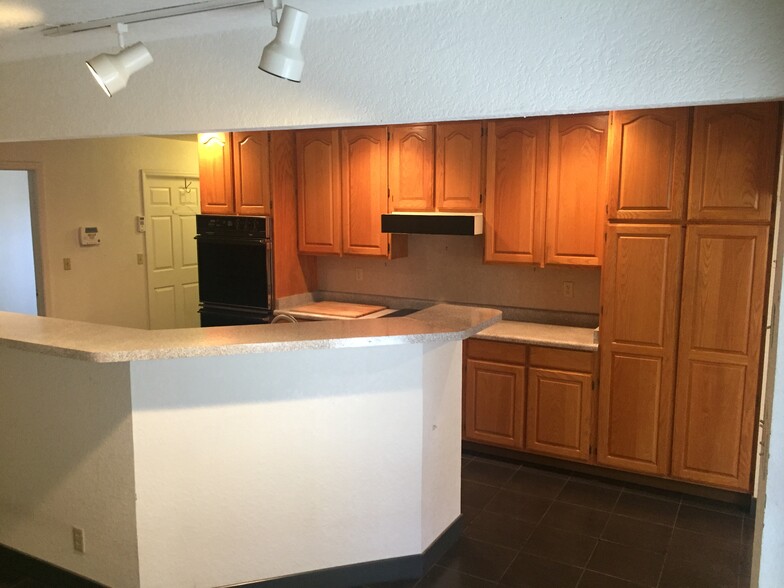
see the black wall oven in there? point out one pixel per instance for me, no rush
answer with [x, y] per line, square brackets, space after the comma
[235, 269]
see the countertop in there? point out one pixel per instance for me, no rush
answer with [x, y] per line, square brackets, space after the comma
[538, 334]
[107, 344]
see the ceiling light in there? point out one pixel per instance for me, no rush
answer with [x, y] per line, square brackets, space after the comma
[112, 71]
[283, 56]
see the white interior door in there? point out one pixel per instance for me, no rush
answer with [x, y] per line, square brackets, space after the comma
[171, 204]
[18, 291]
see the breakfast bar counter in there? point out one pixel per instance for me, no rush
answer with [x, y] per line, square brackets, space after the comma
[294, 454]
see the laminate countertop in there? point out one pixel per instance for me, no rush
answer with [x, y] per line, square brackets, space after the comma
[109, 344]
[539, 334]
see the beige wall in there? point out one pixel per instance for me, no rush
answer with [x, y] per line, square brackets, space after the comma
[97, 182]
[450, 269]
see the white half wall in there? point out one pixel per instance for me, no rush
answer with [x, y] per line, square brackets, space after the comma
[253, 467]
[17, 287]
[440, 60]
[97, 182]
[66, 460]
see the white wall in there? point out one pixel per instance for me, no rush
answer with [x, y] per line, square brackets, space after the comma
[252, 467]
[66, 457]
[97, 182]
[451, 269]
[17, 288]
[433, 61]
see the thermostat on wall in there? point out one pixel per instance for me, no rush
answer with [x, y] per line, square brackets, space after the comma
[89, 236]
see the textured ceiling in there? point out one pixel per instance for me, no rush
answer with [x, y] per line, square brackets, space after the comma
[21, 21]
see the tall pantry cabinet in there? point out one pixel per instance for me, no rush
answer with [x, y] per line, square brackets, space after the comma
[684, 285]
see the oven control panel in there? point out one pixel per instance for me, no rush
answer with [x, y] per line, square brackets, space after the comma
[237, 227]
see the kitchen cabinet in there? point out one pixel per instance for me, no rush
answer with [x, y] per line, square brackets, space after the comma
[516, 190]
[251, 171]
[733, 162]
[576, 190]
[638, 333]
[412, 168]
[722, 310]
[559, 403]
[318, 191]
[215, 177]
[459, 166]
[364, 189]
[647, 164]
[494, 384]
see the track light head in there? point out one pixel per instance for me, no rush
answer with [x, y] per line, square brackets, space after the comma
[112, 71]
[283, 56]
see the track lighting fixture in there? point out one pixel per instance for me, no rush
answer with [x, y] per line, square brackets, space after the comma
[283, 56]
[112, 71]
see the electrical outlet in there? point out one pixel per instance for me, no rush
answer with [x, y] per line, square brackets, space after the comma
[568, 289]
[66, 263]
[78, 539]
[140, 258]
[359, 274]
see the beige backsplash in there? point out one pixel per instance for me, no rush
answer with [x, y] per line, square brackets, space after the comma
[450, 269]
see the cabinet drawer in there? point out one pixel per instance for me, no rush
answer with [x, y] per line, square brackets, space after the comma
[561, 359]
[499, 351]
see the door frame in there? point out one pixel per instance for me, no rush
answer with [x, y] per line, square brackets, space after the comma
[145, 175]
[35, 184]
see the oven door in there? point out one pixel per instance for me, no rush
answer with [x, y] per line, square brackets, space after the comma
[235, 272]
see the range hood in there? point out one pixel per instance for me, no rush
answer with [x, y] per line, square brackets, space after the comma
[433, 223]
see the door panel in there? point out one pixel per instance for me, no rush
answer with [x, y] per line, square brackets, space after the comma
[649, 152]
[723, 305]
[516, 191]
[494, 403]
[412, 167]
[251, 172]
[459, 166]
[215, 173]
[318, 191]
[638, 326]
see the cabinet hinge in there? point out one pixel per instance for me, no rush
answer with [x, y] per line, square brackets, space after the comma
[601, 309]
[606, 209]
[593, 384]
[481, 198]
[389, 195]
[388, 249]
[389, 135]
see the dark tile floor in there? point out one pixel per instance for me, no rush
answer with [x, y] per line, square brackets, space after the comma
[526, 527]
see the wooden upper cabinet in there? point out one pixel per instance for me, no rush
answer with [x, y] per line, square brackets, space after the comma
[722, 313]
[251, 172]
[516, 190]
[638, 330]
[647, 166]
[576, 189]
[459, 166]
[318, 191]
[412, 168]
[215, 173]
[364, 189]
[733, 162]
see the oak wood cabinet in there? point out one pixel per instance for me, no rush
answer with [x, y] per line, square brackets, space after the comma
[493, 387]
[459, 166]
[722, 308]
[733, 162]
[559, 403]
[215, 173]
[516, 190]
[318, 191]
[364, 190]
[412, 168]
[251, 171]
[647, 164]
[576, 189]
[638, 331]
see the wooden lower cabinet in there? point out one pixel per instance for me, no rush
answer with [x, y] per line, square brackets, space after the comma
[494, 403]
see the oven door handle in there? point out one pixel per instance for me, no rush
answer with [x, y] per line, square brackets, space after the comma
[230, 241]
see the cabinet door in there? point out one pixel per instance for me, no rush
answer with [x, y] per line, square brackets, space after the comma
[459, 166]
[516, 190]
[318, 191]
[494, 403]
[215, 177]
[251, 172]
[721, 332]
[558, 413]
[649, 151]
[638, 328]
[364, 187]
[576, 190]
[412, 167]
[733, 162]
